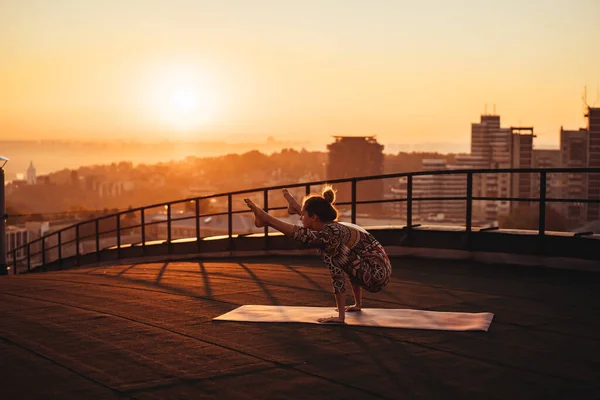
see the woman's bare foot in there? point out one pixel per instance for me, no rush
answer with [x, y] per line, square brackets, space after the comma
[355, 307]
[259, 219]
[293, 206]
[352, 308]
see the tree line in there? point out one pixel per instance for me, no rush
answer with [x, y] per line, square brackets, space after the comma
[85, 192]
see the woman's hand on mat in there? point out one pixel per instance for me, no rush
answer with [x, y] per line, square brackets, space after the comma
[330, 320]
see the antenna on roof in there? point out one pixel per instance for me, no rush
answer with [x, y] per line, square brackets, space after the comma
[584, 101]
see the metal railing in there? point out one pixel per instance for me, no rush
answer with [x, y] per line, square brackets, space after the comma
[56, 240]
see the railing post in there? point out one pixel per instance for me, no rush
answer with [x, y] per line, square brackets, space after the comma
[307, 189]
[198, 225]
[230, 220]
[143, 229]
[169, 236]
[97, 226]
[542, 204]
[43, 254]
[409, 202]
[266, 208]
[28, 257]
[353, 205]
[469, 211]
[76, 243]
[60, 249]
[118, 216]
[14, 261]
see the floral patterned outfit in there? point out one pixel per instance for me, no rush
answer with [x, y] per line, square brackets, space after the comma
[348, 248]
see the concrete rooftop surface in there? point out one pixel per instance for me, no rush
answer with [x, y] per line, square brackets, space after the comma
[144, 330]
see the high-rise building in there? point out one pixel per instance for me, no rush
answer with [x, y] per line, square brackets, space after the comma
[573, 150]
[546, 158]
[480, 136]
[447, 186]
[354, 156]
[543, 158]
[501, 148]
[430, 186]
[493, 144]
[593, 157]
[521, 157]
[457, 187]
[573, 147]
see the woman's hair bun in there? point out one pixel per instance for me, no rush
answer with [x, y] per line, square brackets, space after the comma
[328, 194]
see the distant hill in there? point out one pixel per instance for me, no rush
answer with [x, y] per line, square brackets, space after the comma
[50, 156]
[145, 179]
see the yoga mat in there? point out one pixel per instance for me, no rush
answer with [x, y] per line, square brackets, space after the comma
[379, 317]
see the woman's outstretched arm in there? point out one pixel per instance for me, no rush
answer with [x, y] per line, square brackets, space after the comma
[284, 227]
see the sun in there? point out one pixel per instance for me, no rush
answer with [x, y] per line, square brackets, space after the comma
[187, 107]
[183, 98]
[184, 101]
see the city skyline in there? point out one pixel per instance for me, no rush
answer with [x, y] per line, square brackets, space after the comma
[410, 74]
[173, 150]
[180, 150]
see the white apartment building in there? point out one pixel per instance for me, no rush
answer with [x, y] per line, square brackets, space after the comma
[427, 186]
[15, 237]
[447, 186]
[499, 147]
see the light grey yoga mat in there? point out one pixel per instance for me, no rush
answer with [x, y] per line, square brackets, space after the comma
[380, 317]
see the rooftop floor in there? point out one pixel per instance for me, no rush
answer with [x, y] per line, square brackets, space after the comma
[145, 330]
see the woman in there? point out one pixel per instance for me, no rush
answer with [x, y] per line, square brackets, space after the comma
[345, 248]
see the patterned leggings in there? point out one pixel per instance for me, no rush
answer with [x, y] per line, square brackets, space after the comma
[372, 272]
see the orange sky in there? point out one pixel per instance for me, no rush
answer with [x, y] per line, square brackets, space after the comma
[245, 70]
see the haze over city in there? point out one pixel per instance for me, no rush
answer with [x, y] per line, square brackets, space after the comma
[409, 73]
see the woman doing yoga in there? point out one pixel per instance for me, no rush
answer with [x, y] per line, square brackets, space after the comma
[346, 249]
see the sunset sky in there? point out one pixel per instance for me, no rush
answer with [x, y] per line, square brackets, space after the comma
[408, 72]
